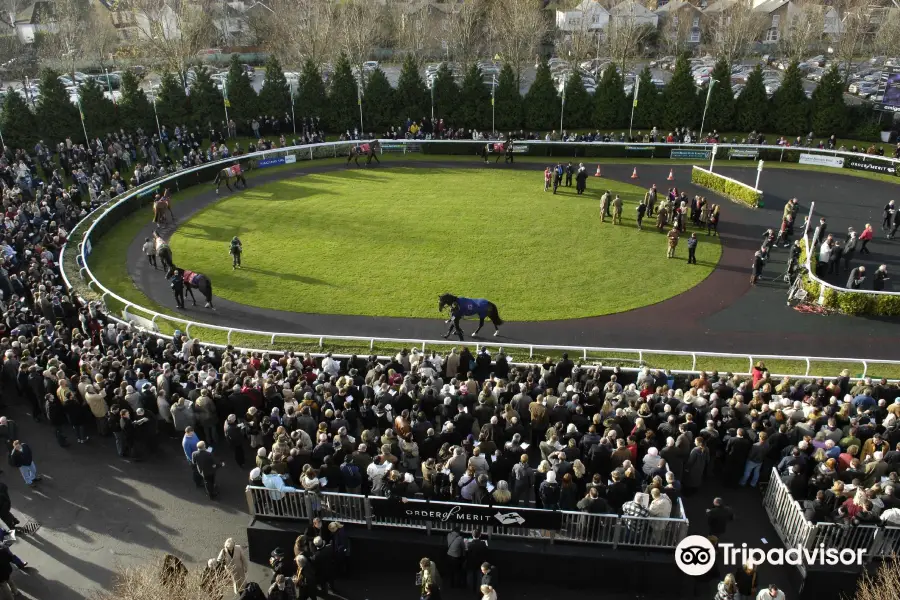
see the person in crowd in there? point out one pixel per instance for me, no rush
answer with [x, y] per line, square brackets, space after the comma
[22, 459]
[234, 558]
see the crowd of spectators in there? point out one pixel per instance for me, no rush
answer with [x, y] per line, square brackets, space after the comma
[837, 449]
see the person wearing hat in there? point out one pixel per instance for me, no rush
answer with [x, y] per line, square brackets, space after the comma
[236, 249]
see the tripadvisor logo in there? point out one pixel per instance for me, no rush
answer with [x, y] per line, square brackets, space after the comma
[695, 555]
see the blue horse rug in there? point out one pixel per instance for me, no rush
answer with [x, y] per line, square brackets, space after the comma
[471, 307]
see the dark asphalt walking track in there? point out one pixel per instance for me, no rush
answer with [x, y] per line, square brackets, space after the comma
[721, 314]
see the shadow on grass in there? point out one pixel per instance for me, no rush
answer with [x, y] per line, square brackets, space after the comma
[288, 276]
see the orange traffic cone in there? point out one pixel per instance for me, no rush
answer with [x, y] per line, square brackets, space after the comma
[597, 174]
[671, 175]
[634, 174]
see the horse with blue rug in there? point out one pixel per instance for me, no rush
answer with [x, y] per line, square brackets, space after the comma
[469, 307]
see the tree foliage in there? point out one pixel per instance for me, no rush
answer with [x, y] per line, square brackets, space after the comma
[790, 107]
[680, 105]
[474, 100]
[752, 104]
[172, 104]
[413, 100]
[275, 96]
[57, 116]
[542, 102]
[578, 103]
[100, 114]
[311, 100]
[609, 100]
[342, 99]
[720, 111]
[647, 109]
[207, 103]
[829, 113]
[507, 100]
[242, 99]
[379, 102]
[134, 107]
[446, 95]
[18, 122]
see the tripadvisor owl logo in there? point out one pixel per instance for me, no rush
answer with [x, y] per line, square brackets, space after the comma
[695, 555]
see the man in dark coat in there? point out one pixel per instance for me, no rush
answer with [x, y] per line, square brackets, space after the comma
[323, 562]
[206, 464]
[736, 450]
[5, 508]
[476, 557]
[718, 517]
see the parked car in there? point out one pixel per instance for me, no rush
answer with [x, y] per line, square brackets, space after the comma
[370, 65]
[249, 71]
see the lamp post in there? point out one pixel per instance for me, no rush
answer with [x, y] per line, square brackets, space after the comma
[359, 102]
[759, 169]
[712, 159]
[156, 114]
[293, 119]
[109, 85]
[562, 107]
[712, 82]
[493, 93]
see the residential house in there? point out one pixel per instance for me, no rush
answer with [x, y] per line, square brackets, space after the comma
[589, 15]
[634, 14]
[681, 19]
[778, 15]
[231, 22]
[34, 18]
[717, 16]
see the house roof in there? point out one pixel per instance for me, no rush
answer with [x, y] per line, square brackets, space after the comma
[770, 6]
[36, 13]
[719, 6]
[630, 7]
[673, 6]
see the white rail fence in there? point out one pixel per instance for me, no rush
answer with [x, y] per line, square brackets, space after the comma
[149, 318]
[788, 518]
[611, 530]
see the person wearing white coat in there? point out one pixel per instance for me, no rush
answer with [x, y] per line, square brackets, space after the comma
[234, 559]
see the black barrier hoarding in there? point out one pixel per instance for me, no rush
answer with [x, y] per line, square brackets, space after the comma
[890, 85]
[860, 164]
[474, 514]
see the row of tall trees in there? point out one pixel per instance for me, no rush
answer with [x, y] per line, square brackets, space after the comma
[465, 103]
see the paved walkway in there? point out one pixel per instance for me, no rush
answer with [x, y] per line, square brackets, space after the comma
[721, 314]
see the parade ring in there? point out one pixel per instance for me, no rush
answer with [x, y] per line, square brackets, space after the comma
[388, 241]
[721, 313]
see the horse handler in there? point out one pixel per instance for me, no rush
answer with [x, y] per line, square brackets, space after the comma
[177, 284]
[150, 250]
[455, 316]
[236, 250]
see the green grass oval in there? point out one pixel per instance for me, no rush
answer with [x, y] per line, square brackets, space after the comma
[386, 242]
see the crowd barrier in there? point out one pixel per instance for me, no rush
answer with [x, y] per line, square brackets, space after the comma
[105, 217]
[788, 518]
[493, 521]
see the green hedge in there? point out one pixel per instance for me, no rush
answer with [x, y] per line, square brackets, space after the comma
[727, 188]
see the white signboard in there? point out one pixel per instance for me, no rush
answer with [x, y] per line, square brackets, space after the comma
[821, 160]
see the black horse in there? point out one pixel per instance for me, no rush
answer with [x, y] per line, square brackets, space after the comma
[192, 281]
[469, 307]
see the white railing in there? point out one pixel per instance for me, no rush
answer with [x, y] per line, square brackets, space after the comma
[330, 149]
[788, 518]
[613, 530]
